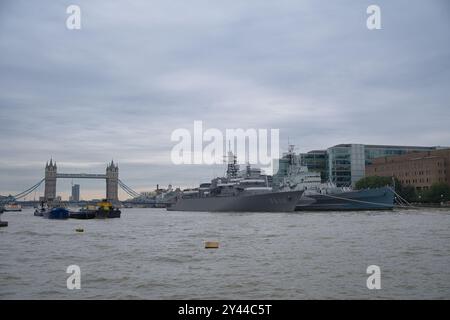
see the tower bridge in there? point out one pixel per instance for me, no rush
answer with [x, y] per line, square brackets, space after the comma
[111, 176]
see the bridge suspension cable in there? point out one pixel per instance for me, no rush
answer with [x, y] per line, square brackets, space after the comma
[129, 193]
[128, 190]
[25, 193]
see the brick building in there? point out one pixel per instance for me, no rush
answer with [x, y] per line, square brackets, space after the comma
[418, 169]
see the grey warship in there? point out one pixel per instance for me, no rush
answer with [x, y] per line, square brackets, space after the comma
[249, 191]
[320, 196]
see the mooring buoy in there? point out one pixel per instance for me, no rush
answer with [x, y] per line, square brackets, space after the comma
[211, 245]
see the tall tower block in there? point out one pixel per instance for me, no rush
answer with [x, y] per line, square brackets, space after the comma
[50, 181]
[112, 182]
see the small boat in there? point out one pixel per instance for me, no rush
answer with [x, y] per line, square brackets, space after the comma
[59, 213]
[107, 210]
[39, 212]
[51, 210]
[3, 223]
[12, 207]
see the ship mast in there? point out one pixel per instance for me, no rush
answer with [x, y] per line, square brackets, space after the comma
[232, 166]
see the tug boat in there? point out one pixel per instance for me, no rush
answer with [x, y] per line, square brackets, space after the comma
[107, 210]
[103, 210]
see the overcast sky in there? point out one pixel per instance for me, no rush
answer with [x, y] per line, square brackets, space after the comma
[136, 71]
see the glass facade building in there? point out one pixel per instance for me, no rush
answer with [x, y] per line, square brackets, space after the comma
[346, 163]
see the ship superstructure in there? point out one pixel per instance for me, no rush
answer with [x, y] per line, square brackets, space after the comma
[247, 190]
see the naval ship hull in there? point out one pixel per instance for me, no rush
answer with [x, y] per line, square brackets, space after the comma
[367, 199]
[262, 202]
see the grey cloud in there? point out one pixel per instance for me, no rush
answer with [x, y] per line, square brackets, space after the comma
[137, 71]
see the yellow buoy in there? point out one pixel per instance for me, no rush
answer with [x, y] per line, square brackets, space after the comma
[79, 230]
[211, 245]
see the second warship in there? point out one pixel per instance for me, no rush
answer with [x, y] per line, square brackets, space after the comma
[319, 196]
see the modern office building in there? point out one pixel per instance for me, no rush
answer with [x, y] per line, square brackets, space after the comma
[346, 163]
[75, 193]
[420, 170]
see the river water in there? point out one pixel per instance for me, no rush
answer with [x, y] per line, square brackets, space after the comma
[154, 254]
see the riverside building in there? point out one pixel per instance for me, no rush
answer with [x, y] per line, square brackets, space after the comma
[345, 164]
[418, 169]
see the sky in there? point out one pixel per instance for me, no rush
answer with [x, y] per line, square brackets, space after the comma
[138, 70]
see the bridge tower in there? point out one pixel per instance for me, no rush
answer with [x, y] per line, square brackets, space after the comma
[50, 180]
[112, 182]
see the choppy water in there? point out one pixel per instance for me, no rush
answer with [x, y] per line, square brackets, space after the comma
[154, 254]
